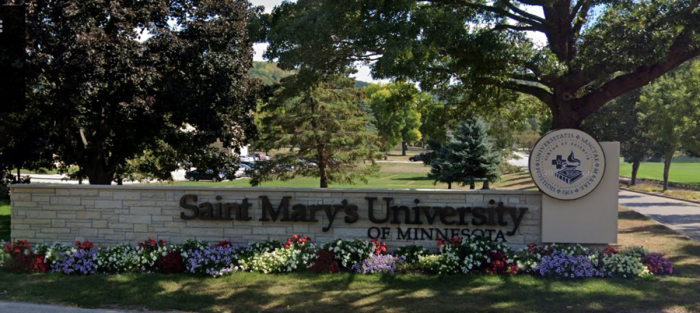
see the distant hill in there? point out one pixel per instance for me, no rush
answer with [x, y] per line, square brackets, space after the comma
[360, 84]
[270, 74]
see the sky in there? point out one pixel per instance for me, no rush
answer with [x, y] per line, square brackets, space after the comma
[363, 72]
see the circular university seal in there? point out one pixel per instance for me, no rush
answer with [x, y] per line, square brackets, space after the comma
[567, 164]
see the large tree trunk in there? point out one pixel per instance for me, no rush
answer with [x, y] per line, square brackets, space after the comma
[486, 185]
[667, 167]
[563, 114]
[322, 166]
[99, 175]
[404, 147]
[449, 185]
[635, 169]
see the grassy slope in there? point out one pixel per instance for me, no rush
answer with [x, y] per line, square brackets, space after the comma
[391, 176]
[688, 173]
[246, 292]
[5, 220]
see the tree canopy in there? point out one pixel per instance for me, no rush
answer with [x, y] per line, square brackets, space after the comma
[473, 51]
[110, 95]
[395, 109]
[326, 130]
[670, 109]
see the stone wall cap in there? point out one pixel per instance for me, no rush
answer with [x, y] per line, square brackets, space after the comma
[273, 189]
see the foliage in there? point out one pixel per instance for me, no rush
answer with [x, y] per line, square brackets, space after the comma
[325, 125]
[670, 110]
[529, 258]
[619, 121]
[171, 263]
[325, 262]
[277, 261]
[411, 254]
[118, 259]
[268, 73]
[624, 265]
[22, 260]
[109, 95]
[350, 252]
[466, 157]
[562, 264]
[80, 262]
[657, 264]
[217, 261]
[636, 252]
[150, 252]
[593, 51]
[378, 264]
[395, 110]
[439, 264]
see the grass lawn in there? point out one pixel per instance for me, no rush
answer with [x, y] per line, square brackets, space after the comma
[5, 220]
[251, 292]
[391, 176]
[687, 173]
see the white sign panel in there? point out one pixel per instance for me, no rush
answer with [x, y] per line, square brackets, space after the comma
[567, 164]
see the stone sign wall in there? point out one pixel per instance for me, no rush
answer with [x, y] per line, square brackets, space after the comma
[108, 215]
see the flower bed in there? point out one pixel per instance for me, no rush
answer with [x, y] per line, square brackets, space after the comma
[472, 255]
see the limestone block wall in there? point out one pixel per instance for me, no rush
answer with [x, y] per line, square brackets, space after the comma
[109, 215]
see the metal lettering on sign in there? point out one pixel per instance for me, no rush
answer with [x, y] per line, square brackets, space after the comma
[567, 164]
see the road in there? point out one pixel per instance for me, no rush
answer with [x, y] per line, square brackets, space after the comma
[681, 216]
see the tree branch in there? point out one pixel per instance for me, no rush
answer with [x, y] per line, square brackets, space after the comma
[488, 8]
[641, 76]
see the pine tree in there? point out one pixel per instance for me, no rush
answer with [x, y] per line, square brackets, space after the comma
[329, 133]
[466, 157]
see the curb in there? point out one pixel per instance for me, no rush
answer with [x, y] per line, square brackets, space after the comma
[660, 195]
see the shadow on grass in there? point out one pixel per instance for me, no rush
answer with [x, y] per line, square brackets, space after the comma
[350, 293]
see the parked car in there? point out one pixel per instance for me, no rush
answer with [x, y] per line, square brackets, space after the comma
[247, 158]
[244, 170]
[417, 158]
[260, 157]
[212, 175]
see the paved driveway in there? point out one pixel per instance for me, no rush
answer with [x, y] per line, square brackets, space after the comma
[681, 216]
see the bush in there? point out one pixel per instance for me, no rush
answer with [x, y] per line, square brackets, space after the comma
[636, 252]
[529, 258]
[325, 262]
[22, 260]
[117, 259]
[150, 252]
[657, 264]
[377, 263]
[411, 254]
[563, 264]
[350, 252]
[624, 265]
[277, 261]
[439, 264]
[218, 260]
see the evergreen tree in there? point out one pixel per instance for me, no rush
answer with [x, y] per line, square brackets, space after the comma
[329, 132]
[467, 156]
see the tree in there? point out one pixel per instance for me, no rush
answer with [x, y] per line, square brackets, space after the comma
[268, 73]
[670, 107]
[619, 121]
[113, 96]
[395, 108]
[466, 157]
[595, 51]
[327, 130]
